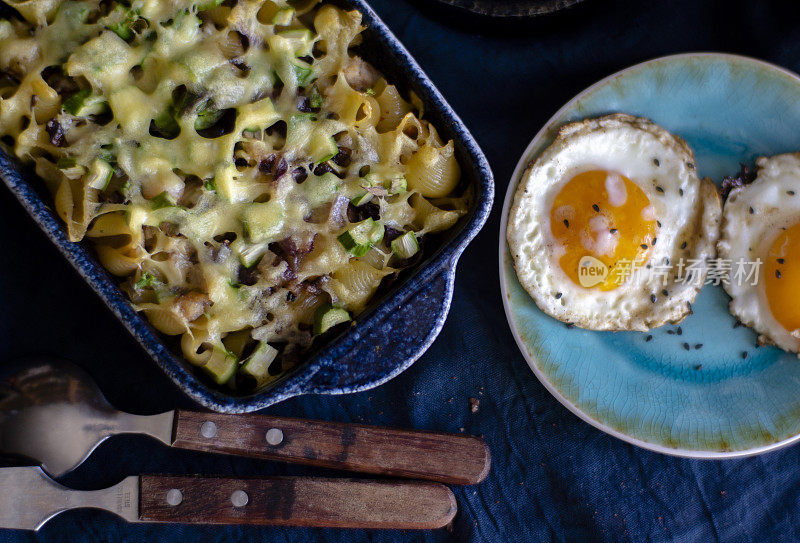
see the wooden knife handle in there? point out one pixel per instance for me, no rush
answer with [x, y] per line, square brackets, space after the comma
[296, 501]
[447, 458]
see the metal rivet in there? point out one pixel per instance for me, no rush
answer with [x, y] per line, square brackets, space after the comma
[174, 497]
[274, 436]
[239, 498]
[208, 429]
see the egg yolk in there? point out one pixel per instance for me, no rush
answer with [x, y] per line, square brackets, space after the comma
[782, 278]
[604, 215]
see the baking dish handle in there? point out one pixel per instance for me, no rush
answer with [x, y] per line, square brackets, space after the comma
[389, 341]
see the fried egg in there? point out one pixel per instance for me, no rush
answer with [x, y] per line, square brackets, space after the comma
[603, 219]
[760, 240]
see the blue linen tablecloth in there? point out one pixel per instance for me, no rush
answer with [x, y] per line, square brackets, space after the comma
[554, 478]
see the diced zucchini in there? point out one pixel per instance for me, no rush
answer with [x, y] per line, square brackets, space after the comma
[257, 364]
[263, 221]
[329, 316]
[322, 147]
[100, 174]
[283, 17]
[362, 199]
[251, 255]
[406, 245]
[84, 103]
[359, 239]
[221, 366]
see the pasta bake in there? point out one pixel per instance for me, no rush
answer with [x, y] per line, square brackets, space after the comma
[250, 180]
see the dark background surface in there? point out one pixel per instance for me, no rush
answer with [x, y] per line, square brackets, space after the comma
[554, 477]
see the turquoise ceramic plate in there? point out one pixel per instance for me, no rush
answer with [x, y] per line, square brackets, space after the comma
[707, 402]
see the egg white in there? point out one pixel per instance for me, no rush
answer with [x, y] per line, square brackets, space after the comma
[687, 208]
[749, 235]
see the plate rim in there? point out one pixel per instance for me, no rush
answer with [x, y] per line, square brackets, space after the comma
[503, 253]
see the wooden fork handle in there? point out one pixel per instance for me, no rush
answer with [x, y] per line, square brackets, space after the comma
[446, 458]
[296, 501]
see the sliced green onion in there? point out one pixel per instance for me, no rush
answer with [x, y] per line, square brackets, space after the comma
[252, 254]
[362, 199]
[329, 316]
[303, 73]
[207, 117]
[84, 103]
[166, 124]
[164, 199]
[100, 174]
[405, 246]
[316, 99]
[146, 280]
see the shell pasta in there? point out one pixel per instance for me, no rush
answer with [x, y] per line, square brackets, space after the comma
[250, 180]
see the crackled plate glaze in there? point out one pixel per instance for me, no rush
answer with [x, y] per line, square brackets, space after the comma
[710, 402]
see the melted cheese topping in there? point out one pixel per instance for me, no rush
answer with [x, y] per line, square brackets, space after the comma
[211, 152]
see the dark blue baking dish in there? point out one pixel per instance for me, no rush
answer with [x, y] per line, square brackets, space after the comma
[367, 354]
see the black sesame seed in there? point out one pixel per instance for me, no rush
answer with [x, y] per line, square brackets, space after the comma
[653, 298]
[698, 346]
[671, 332]
[683, 245]
[752, 210]
[665, 292]
[596, 207]
[686, 346]
[690, 165]
[680, 191]
[781, 261]
[778, 274]
[659, 189]
[643, 246]
[649, 337]
[566, 223]
[613, 230]
[658, 223]
[654, 241]
[790, 192]
[698, 367]
[680, 331]
[656, 162]
[744, 354]
[558, 295]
